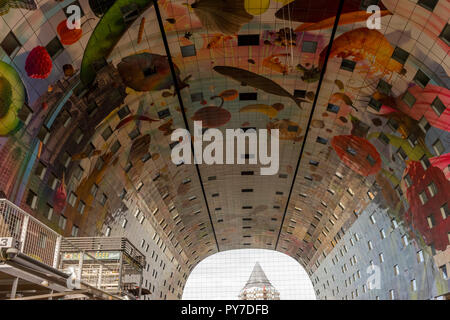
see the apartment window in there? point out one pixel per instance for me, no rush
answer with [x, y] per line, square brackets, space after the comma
[405, 240]
[25, 114]
[62, 222]
[94, 190]
[10, 44]
[370, 245]
[78, 173]
[431, 222]
[81, 207]
[321, 140]
[402, 154]
[43, 135]
[54, 48]
[421, 78]
[420, 256]
[75, 230]
[248, 40]
[428, 4]
[32, 199]
[115, 147]
[393, 124]
[424, 125]
[124, 223]
[438, 147]
[108, 231]
[134, 133]
[123, 112]
[381, 256]
[348, 65]
[443, 271]
[400, 55]
[432, 189]
[163, 113]
[309, 46]
[375, 104]
[413, 285]
[394, 224]
[40, 171]
[392, 294]
[384, 87]
[445, 34]
[72, 199]
[107, 133]
[188, 51]
[409, 99]
[423, 197]
[438, 106]
[49, 213]
[383, 234]
[396, 270]
[103, 199]
[445, 211]
[372, 219]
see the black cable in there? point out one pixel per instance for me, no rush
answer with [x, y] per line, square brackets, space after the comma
[319, 86]
[180, 100]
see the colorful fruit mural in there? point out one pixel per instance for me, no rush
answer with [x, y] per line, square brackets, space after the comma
[87, 115]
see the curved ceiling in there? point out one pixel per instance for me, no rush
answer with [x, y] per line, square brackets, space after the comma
[86, 121]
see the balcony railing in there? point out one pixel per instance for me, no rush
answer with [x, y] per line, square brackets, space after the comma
[43, 244]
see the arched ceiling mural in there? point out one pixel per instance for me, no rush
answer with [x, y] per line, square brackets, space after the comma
[86, 118]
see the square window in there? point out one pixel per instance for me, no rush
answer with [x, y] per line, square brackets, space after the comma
[445, 211]
[107, 133]
[443, 271]
[384, 138]
[402, 154]
[425, 162]
[428, 4]
[25, 114]
[163, 113]
[445, 34]
[371, 160]
[309, 46]
[134, 133]
[248, 40]
[438, 107]
[421, 78]
[321, 140]
[400, 55]
[196, 97]
[188, 51]
[413, 285]
[115, 147]
[333, 108]
[81, 207]
[420, 256]
[244, 96]
[384, 87]
[123, 112]
[438, 147]
[423, 197]
[431, 222]
[31, 200]
[72, 199]
[62, 222]
[375, 104]
[54, 48]
[424, 125]
[409, 99]
[348, 65]
[432, 189]
[10, 44]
